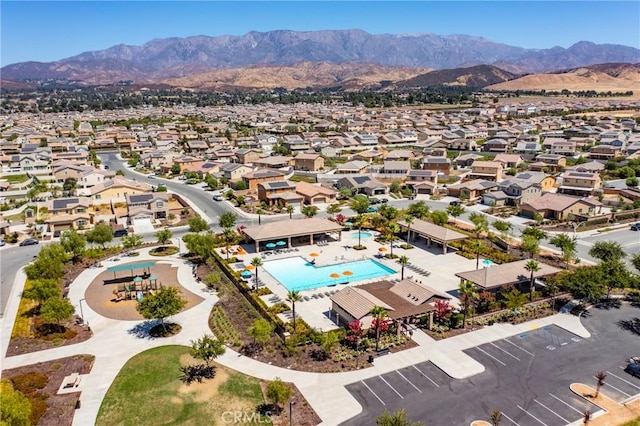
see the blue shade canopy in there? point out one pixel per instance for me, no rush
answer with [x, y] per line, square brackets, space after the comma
[281, 243]
[348, 223]
[270, 245]
[246, 273]
[130, 266]
[153, 278]
[137, 279]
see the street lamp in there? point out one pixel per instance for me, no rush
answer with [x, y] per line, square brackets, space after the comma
[81, 313]
[290, 416]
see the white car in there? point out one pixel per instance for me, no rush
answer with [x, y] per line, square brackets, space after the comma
[217, 197]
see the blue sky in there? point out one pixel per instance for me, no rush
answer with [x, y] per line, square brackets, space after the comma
[48, 31]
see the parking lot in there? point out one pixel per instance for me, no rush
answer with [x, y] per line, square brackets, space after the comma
[527, 377]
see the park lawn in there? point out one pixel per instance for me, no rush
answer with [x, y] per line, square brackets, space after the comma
[22, 325]
[148, 391]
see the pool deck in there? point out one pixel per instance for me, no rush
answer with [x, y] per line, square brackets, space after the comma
[316, 311]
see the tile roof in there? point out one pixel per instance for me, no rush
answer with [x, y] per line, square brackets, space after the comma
[507, 273]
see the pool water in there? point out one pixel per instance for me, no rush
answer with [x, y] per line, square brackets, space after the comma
[295, 273]
[363, 234]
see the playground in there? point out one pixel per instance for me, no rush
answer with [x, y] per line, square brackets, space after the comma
[115, 292]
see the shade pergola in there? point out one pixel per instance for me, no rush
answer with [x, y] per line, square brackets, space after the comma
[497, 276]
[288, 229]
[432, 232]
[131, 267]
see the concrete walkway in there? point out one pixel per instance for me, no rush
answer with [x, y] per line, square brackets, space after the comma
[114, 342]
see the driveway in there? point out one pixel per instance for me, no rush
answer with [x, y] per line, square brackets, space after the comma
[527, 377]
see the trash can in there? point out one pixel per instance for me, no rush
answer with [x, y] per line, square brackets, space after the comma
[77, 404]
[370, 359]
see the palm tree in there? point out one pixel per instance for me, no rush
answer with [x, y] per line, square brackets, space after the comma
[466, 293]
[495, 418]
[403, 260]
[600, 382]
[552, 288]
[391, 230]
[293, 296]
[409, 221]
[514, 299]
[228, 236]
[359, 220]
[567, 245]
[259, 212]
[378, 313]
[290, 209]
[477, 247]
[586, 417]
[257, 262]
[533, 267]
[480, 222]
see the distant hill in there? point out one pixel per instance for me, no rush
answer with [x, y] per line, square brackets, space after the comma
[176, 58]
[614, 77]
[478, 76]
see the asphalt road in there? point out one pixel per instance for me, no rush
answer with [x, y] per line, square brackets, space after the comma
[11, 260]
[527, 377]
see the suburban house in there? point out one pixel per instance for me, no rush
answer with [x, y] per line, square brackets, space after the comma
[580, 183]
[187, 161]
[281, 192]
[233, 172]
[422, 181]
[296, 145]
[368, 156]
[315, 194]
[118, 188]
[605, 152]
[405, 302]
[308, 162]
[495, 145]
[466, 160]
[247, 156]
[521, 188]
[487, 170]
[252, 179]
[551, 162]
[153, 205]
[69, 213]
[439, 164]
[509, 160]
[275, 162]
[560, 207]
[395, 168]
[472, 189]
[352, 167]
[363, 185]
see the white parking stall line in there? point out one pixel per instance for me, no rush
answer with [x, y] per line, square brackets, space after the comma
[506, 352]
[371, 390]
[392, 388]
[509, 418]
[609, 385]
[491, 356]
[568, 405]
[551, 411]
[532, 416]
[427, 377]
[408, 381]
[618, 377]
[522, 349]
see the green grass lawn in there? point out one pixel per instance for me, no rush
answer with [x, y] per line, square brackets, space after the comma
[147, 391]
[12, 179]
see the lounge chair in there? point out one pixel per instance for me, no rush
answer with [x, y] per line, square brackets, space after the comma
[307, 298]
[321, 295]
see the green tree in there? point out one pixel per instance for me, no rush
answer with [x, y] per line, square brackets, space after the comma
[599, 381]
[198, 224]
[358, 222]
[419, 210]
[530, 245]
[390, 234]
[455, 210]
[495, 417]
[360, 204]
[378, 313]
[134, 159]
[345, 193]
[260, 330]
[207, 348]
[290, 209]
[228, 234]
[532, 266]
[278, 393]
[395, 186]
[227, 220]
[257, 263]
[49, 264]
[635, 261]
[201, 245]
[439, 217]
[293, 297]
[403, 261]
[42, 290]
[536, 233]
[309, 211]
[164, 235]
[567, 245]
[15, 408]
[478, 247]
[514, 299]
[480, 223]
[607, 251]
[100, 234]
[161, 305]
[132, 241]
[56, 310]
[73, 242]
[175, 169]
[333, 209]
[467, 294]
[119, 172]
[399, 418]
[632, 182]
[503, 226]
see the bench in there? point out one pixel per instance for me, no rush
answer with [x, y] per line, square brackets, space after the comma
[382, 352]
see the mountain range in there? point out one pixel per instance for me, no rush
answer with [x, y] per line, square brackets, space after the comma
[331, 58]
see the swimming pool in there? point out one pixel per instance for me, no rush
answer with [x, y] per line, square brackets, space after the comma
[295, 273]
[363, 234]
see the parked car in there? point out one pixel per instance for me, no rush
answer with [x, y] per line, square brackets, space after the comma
[28, 242]
[120, 232]
[2, 242]
[217, 197]
[151, 176]
[374, 201]
[635, 226]
[384, 200]
[454, 203]
[633, 369]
